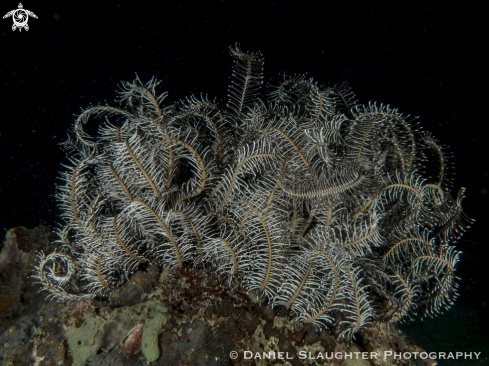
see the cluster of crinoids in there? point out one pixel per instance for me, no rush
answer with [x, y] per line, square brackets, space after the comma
[308, 199]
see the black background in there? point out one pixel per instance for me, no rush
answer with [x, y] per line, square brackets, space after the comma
[428, 61]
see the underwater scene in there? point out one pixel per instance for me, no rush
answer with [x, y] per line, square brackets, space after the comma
[224, 183]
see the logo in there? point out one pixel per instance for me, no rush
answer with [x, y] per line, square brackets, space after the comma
[20, 17]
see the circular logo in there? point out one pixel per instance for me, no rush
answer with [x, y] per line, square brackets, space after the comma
[20, 17]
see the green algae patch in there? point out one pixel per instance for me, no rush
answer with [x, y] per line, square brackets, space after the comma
[81, 339]
[149, 343]
[93, 334]
[158, 316]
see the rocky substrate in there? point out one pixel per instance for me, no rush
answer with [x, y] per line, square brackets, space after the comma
[186, 317]
[18, 293]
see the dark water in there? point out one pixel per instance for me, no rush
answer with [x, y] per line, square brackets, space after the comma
[427, 61]
[457, 330]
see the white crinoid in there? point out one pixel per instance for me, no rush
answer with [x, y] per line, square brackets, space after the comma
[312, 201]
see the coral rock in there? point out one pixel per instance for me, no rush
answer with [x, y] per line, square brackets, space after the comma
[18, 293]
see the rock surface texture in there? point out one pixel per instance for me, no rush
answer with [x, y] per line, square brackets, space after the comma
[204, 321]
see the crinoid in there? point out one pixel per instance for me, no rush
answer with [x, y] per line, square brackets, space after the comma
[309, 199]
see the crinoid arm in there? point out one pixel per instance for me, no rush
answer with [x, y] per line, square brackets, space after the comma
[247, 80]
[357, 312]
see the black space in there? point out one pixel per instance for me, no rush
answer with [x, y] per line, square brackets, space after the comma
[428, 61]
